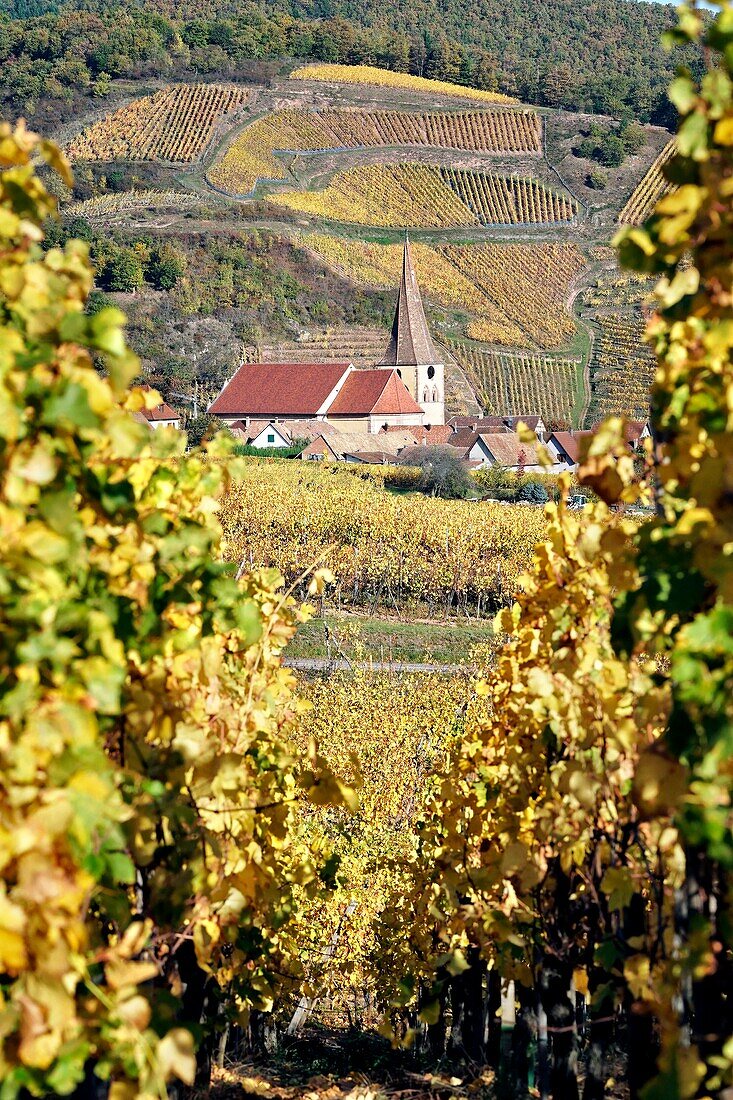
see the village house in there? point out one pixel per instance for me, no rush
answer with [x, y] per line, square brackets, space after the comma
[503, 448]
[162, 416]
[565, 447]
[495, 424]
[345, 414]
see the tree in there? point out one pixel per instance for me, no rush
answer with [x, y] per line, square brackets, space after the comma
[200, 428]
[122, 270]
[597, 179]
[444, 474]
[102, 85]
[166, 266]
[611, 151]
[534, 492]
[632, 136]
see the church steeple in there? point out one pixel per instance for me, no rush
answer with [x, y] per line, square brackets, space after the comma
[410, 342]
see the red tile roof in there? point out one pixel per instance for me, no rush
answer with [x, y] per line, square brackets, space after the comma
[278, 389]
[160, 412]
[570, 442]
[318, 446]
[429, 434]
[377, 391]
[463, 439]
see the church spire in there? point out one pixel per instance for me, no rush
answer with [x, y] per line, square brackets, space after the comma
[410, 343]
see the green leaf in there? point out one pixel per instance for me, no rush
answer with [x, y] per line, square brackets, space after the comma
[618, 885]
[121, 868]
[683, 94]
[692, 138]
[70, 404]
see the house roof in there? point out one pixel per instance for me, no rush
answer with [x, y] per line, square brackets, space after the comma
[463, 439]
[318, 445]
[508, 449]
[429, 434]
[371, 457]
[479, 423]
[634, 430]
[495, 423]
[410, 343]
[160, 412]
[378, 392]
[570, 442]
[531, 420]
[278, 389]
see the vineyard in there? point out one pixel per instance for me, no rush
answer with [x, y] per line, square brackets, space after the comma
[385, 78]
[361, 346]
[649, 191]
[527, 285]
[441, 555]
[511, 881]
[622, 367]
[173, 124]
[510, 384]
[617, 289]
[496, 200]
[253, 154]
[494, 282]
[401, 725]
[419, 195]
[120, 205]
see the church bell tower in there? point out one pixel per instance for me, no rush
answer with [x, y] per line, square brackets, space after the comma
[411, 349]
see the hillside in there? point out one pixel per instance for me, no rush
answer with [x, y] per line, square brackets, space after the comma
[600, 57]
[265, 217]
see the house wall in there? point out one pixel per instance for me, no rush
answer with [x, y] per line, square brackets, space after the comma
[155, 424]
[394, 420]
[269, 437]
[478, 453]
[561, 456]
[350, 423]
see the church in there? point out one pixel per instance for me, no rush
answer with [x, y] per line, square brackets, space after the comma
[406, 389]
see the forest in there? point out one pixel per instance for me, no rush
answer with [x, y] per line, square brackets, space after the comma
[604, 57]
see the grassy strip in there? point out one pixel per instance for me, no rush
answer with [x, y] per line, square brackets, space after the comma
[391, 640]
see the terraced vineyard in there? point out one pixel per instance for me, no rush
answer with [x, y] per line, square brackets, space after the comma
[419, 195]
[528, 286]
[515, 292]
[120, 205]
[252, 155]
[510, 384]
[622, 367]
[173, 124]
[649, 190]
[496, 200]
[370, 74]
[346, 344]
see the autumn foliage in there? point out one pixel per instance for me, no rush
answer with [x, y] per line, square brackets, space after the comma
[148, 789]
